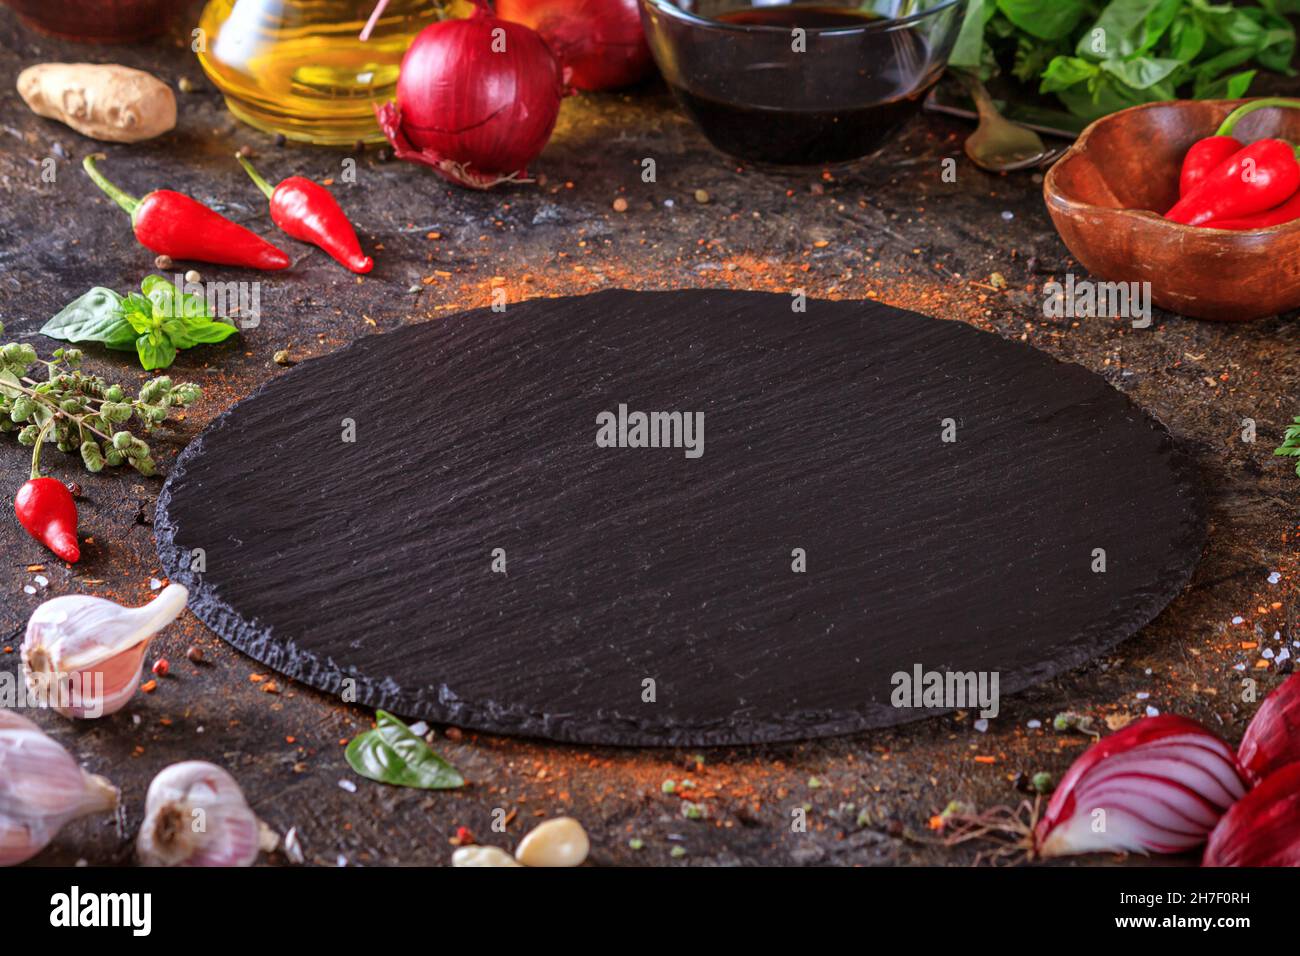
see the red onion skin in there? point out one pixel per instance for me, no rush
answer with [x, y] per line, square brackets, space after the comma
[1135, 776]
[601, 41]
[1273, 738]
[1262, 828]
[476, 115]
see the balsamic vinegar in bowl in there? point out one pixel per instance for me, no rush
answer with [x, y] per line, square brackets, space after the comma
[801, 83]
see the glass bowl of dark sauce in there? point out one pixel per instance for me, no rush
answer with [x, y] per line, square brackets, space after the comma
[801, 82]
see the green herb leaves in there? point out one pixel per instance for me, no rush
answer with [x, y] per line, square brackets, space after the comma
[88, 413]
[156, 322]
[1102, 57]
[1290, 447]
[392, 754]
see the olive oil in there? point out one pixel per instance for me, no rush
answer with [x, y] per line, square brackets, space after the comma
[299, 67]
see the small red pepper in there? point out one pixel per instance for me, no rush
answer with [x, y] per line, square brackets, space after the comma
[1204, 157]
[1253, 180]
[45, 508]
[1287, 212]
[308, 212]
[172, 224]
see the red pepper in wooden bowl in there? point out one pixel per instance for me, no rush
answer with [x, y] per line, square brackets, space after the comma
[1204, 157]
[45, 508]
[308, 212]
[1253, 180]
[172, 224]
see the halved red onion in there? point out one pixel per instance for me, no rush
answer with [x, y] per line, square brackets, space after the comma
[1273, 738]
[1160, 785]
[1263, 828]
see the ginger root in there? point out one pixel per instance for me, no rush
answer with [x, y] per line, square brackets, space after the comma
[102, 101]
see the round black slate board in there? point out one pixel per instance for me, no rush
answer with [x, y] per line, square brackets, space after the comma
[371, 561]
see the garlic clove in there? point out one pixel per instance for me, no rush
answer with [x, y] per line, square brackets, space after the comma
[196, 815]
[83, 656]
[558, 842]
[41, 789]
[483, 856]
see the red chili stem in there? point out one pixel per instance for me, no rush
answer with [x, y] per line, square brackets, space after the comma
[1233, 118]
[255, 176]
[36, 452]
[121, 197]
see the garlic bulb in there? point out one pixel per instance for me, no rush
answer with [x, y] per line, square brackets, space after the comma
[41, 789]
[83, 655]
[483, 856]
[196, 815]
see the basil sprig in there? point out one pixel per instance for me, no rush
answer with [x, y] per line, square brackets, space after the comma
[155, 322]
[392, 754]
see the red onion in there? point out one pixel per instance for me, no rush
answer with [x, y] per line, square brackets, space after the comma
[1263, 828]
[1273, 738]
[1163, 783]
[477, 100]
[602, 41]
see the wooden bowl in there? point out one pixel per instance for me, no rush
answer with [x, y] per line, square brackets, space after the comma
[1107, 193]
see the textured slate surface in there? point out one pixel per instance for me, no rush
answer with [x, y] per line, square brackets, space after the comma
[371, 560]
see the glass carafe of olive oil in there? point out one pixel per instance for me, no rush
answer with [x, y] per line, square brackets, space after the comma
[299, 67]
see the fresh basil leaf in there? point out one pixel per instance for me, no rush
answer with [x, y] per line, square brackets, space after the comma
[1045, 19]
[1141, 72]
[210, 332]
[1065, 72]
[155, 351]
[138, 312]
[392, 754]
[968, 52]
[169, 301]
[93, 317]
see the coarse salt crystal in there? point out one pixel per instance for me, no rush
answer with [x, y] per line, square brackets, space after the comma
[1267, 653]
[1034, 724]
[981, 725]
[1152, 712]
[1274, 578]
[29, 589]
[348, 785]
[342, 860]
[420, 728]
[1008, 215]
[1284, 654]
[1142, 695]
[154, 584]
[1238, 667]
[1238, 619]
[42, 580]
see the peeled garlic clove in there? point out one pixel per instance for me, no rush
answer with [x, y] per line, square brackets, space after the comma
[1160, 785]
[41, 789]
[196, 815]
[83, 655]
[558, 842]
[482, 856]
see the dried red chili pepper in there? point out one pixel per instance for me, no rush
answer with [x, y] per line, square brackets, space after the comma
[45, 508]
[1204, 157]
[308, 212]
[1253, 180]
[172, 224]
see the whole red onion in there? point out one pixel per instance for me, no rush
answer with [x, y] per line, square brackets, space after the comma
[477, 99]
[601, 41]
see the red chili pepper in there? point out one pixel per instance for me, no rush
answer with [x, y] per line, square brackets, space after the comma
[1287, 212]
[45, 508]
[1204, 157]
[308, 212]
[172, 224]
[1253, 180]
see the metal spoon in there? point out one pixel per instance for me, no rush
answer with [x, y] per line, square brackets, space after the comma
[1000, 145]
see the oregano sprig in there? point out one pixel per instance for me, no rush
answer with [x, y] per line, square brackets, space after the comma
[87, 415]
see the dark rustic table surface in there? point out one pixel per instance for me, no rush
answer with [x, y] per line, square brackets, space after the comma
[978, 249]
